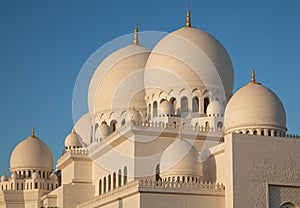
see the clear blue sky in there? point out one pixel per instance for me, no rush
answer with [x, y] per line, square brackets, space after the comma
[43, 45]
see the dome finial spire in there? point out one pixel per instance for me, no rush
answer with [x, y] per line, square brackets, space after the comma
[188, 17]
[32, 132]
[136, 35]
[253, 76]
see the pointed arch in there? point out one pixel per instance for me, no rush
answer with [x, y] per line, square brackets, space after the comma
[100, 186]
[125, 175]
[119, 178]
[114, 180]
[206, 103]
[113, 125]
[109, 182]
[195, 102]
[220, 125]
[184, 104]
[154, 109]
[288, 205]
[104, 185]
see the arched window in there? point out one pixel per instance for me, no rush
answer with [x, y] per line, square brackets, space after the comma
[119, 178]
[287, 205]
[157, 171]
[220, 125]
[149, 111]
[184, 105]
[206, 103]
[104, 185]
[91, 138]
[95, 132]
[174, 103]
[154, 109]
[207, 126]
[247, 132]
[113, 125]
[269, 133]
[123, 122]
[262, 132]
[125, 175]
[255, 132]
[100, 186]
[195, 104]
[114, 180]
[109, 182]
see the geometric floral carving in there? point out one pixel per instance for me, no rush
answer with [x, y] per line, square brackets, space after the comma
[280, 194]
[272, 172]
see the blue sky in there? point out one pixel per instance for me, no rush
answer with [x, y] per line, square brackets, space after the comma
[44, 44]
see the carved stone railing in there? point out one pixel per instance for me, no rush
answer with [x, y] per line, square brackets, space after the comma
[150, 182]
[292, 136]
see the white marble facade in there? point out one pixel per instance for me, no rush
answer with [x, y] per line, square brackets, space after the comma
[172, 136]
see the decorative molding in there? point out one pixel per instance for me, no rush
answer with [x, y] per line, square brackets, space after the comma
[271, 172]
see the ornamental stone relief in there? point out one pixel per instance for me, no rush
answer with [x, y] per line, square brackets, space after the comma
[280, 194]
[271, 172]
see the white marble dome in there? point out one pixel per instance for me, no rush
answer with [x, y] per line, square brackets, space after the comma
[189, 58]
[53, 176]
[4, 178]
[180, 159]
[73, 140]
[215, 108]
[31, 153]
[254, 107]
[166, 108]
[103, 131]
[118, 82]
[135, 116]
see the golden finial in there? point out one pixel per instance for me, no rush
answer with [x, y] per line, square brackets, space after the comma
[73, 130]
[136, 35]
[32, 132]
[188, 17]
[253, 76]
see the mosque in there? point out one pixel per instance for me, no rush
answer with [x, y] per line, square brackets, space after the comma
[165, 130]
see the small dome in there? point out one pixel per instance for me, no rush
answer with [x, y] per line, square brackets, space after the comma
[215, 108]
[135, 116]
[103, 131]
[180, 159]
[167, 108]
[35, 175]
[254, 106]
[31, 153]
[53, 176]
[73, 140]
[4, 178]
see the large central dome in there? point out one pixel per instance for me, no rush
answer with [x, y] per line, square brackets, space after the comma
[190, 58]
